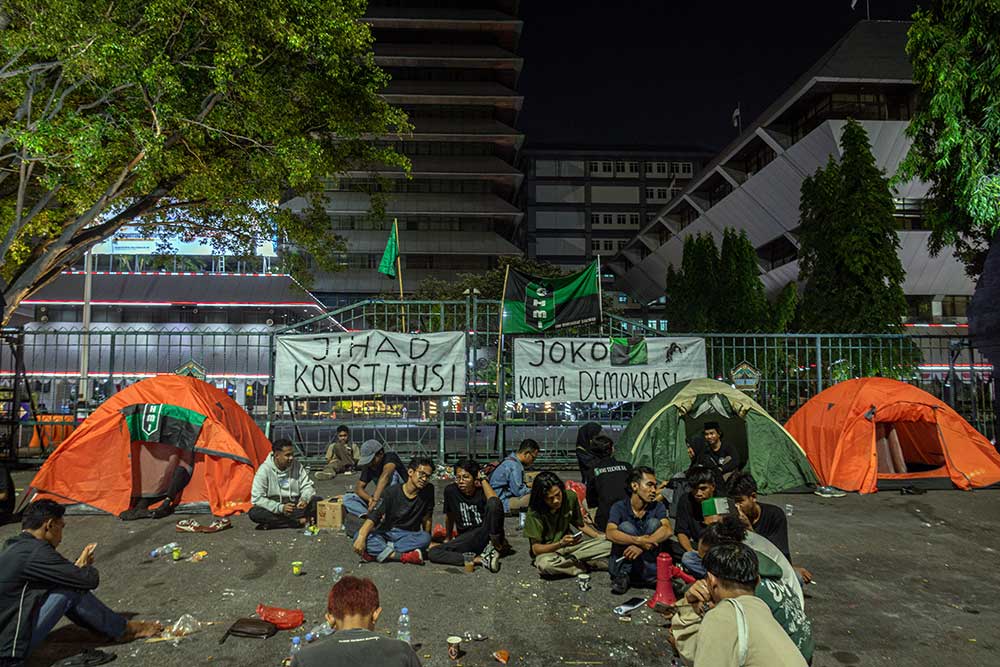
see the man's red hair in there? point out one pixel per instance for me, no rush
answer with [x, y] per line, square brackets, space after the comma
[352, 596]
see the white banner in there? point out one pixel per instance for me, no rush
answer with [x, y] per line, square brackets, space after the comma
[363, 363]
[598, 370]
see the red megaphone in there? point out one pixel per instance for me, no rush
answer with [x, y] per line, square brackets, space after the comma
[665, 572]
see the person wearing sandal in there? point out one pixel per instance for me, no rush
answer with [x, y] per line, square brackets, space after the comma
[38, 586]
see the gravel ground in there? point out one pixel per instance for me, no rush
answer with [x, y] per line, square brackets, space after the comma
[902, 580]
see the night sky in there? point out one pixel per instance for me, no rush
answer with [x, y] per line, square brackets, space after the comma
[667, 72]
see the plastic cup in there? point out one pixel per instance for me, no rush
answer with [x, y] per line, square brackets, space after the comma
[789, 509]
[454, 647]
[297, 567]
[583, 581]
[176, 553]
[470, 561]
[338, 572]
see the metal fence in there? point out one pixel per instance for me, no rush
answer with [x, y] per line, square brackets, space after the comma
[484, 422]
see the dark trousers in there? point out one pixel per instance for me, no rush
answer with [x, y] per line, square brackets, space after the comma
[178, 481]
[474, 540]
[271, 519]
[642, 570]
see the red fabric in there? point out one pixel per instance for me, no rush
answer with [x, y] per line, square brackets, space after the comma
[283, 619]
[580, 490]
[837, 430]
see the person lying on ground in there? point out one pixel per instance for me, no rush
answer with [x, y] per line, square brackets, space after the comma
[472, 508]
[508, 477]
[724, 624]
[7, 496]
[779, 595]
[379, 465]
[398, 528]
[352, 609]
[609, 481]
[167, 478]
[555, 529]
[38, 586]
[282, 493]
[339, 455]
[715, 454]
[690, 521]
[766, 520]
[637, 526]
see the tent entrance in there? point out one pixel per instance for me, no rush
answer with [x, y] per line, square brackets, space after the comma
[909, 450]
[734, 428]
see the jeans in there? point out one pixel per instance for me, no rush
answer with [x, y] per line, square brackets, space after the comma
[643, 568]
[270, 519]
[474, 539]
[353, 504]
[692, 563]
[382, 544]
[81, 607]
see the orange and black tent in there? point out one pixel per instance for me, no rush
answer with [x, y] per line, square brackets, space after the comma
[128, 446]
[871, 433]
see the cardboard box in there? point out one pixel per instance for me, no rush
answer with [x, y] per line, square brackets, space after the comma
[330, 514]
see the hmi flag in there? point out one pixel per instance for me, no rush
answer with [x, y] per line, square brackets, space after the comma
[532, 304]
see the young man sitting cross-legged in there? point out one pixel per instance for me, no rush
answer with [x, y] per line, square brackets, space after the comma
[637, 526]
[398, 528]
[473, 509]
[282, 494]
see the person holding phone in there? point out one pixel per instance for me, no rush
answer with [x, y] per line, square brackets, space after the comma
[556, 530]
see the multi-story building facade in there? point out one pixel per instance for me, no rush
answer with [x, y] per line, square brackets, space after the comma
[754, 183]
[454, 69]
[581, 203]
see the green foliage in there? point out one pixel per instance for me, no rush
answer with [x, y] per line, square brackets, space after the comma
[785, 309]
[848, 262]
[489, 283]
[191, 118]
[955, 51]
[742, 303]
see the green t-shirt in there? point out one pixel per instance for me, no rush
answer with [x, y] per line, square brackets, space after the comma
[784, 606]
[551, 526]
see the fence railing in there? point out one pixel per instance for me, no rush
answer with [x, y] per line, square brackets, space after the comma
[486, 421]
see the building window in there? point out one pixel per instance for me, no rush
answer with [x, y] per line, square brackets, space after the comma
[633, 219]
[622, 244]
[954, 306]
[633, 167]
[609, 218]
[650, 193]
[607, 167]
[620, 167]
[661, 193]
[649, 167]
[595, 219]
[608, 245]
[594, 167]
[686, 168]
[622, 218]
[595, 245]
[661, 167]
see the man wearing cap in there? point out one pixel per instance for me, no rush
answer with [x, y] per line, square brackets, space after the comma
[715, 454]
[377, 464]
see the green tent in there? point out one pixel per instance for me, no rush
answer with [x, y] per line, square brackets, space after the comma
[658, 433]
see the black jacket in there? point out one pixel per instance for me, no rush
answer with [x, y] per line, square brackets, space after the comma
[29, 569]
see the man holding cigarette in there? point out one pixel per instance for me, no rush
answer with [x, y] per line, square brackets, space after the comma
[637, 527]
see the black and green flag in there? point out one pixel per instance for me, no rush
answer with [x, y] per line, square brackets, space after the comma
[629, 352]
[534, 305]
[160, 422]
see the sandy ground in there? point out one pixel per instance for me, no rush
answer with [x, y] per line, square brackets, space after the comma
[902, 580]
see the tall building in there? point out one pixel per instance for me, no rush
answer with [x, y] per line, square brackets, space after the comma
[454, 69]
[753, 184]
[581, 203]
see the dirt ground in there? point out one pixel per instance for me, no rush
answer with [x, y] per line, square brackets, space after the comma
[902, 580]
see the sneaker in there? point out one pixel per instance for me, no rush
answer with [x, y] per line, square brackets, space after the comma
[619, 585]
[324, 474]
[367, 558]
[829, 492]
[414, 557]
[491, 559]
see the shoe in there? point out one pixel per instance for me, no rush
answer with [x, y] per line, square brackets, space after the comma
[829, 492]
[414, 557]
[491, 559]
[367, 558]
[164, 510]
[619, 585]
[504, 549]
[323, 474]
[262, 526]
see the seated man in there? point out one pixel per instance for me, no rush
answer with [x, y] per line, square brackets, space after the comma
[690, 521]
[378, 465]
[766, 520]
[508, 478]
[7, 496]
[738, 629]
[38, 587]
[282, 493]
[715, 454]
[608, 482]
[339, 455]
[637, 526]
[352, 609]
[555, 528]
[398, 528]
[782, 597]
[472, 508]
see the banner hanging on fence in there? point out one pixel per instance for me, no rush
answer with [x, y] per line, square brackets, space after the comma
[362, 363]
[593, 370]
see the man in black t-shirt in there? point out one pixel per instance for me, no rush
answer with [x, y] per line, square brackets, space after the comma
[690, 522]
[766, 520]
[472, 508]
[7, 495]
[398, 528]
[608, 483]
[716, 454]
[379, 465]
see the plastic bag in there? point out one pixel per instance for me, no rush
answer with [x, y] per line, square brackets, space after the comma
[183, 626]
[284, 619]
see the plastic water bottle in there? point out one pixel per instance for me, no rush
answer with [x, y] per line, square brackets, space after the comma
[165, 550]
[403, 633]
[296, 647]
[310, 637]
[321, 630]
[520, 520]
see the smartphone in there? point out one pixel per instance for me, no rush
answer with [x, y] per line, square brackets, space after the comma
[629, 606]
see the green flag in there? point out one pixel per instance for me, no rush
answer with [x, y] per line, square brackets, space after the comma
[388, 263]
[532, 304]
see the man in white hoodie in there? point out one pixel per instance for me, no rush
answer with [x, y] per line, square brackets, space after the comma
[283, 495]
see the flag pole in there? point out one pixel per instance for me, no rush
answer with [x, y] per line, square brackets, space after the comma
[399, 271]
[600, 296]
[499, 438]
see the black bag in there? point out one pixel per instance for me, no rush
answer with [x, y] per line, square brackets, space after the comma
[250, 627]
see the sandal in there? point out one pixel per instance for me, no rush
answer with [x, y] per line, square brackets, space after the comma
[188, 526]
[89, 657]
[135, 513]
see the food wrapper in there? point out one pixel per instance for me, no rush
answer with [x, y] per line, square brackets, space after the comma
[501, 656]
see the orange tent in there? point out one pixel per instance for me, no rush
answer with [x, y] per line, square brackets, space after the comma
[98, 464]
[862, 433]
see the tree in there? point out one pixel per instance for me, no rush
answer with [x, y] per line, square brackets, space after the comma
[847, 259]
[489, 283]
[191, 118]
[742, 304]
[955, 51]
[785, 309]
